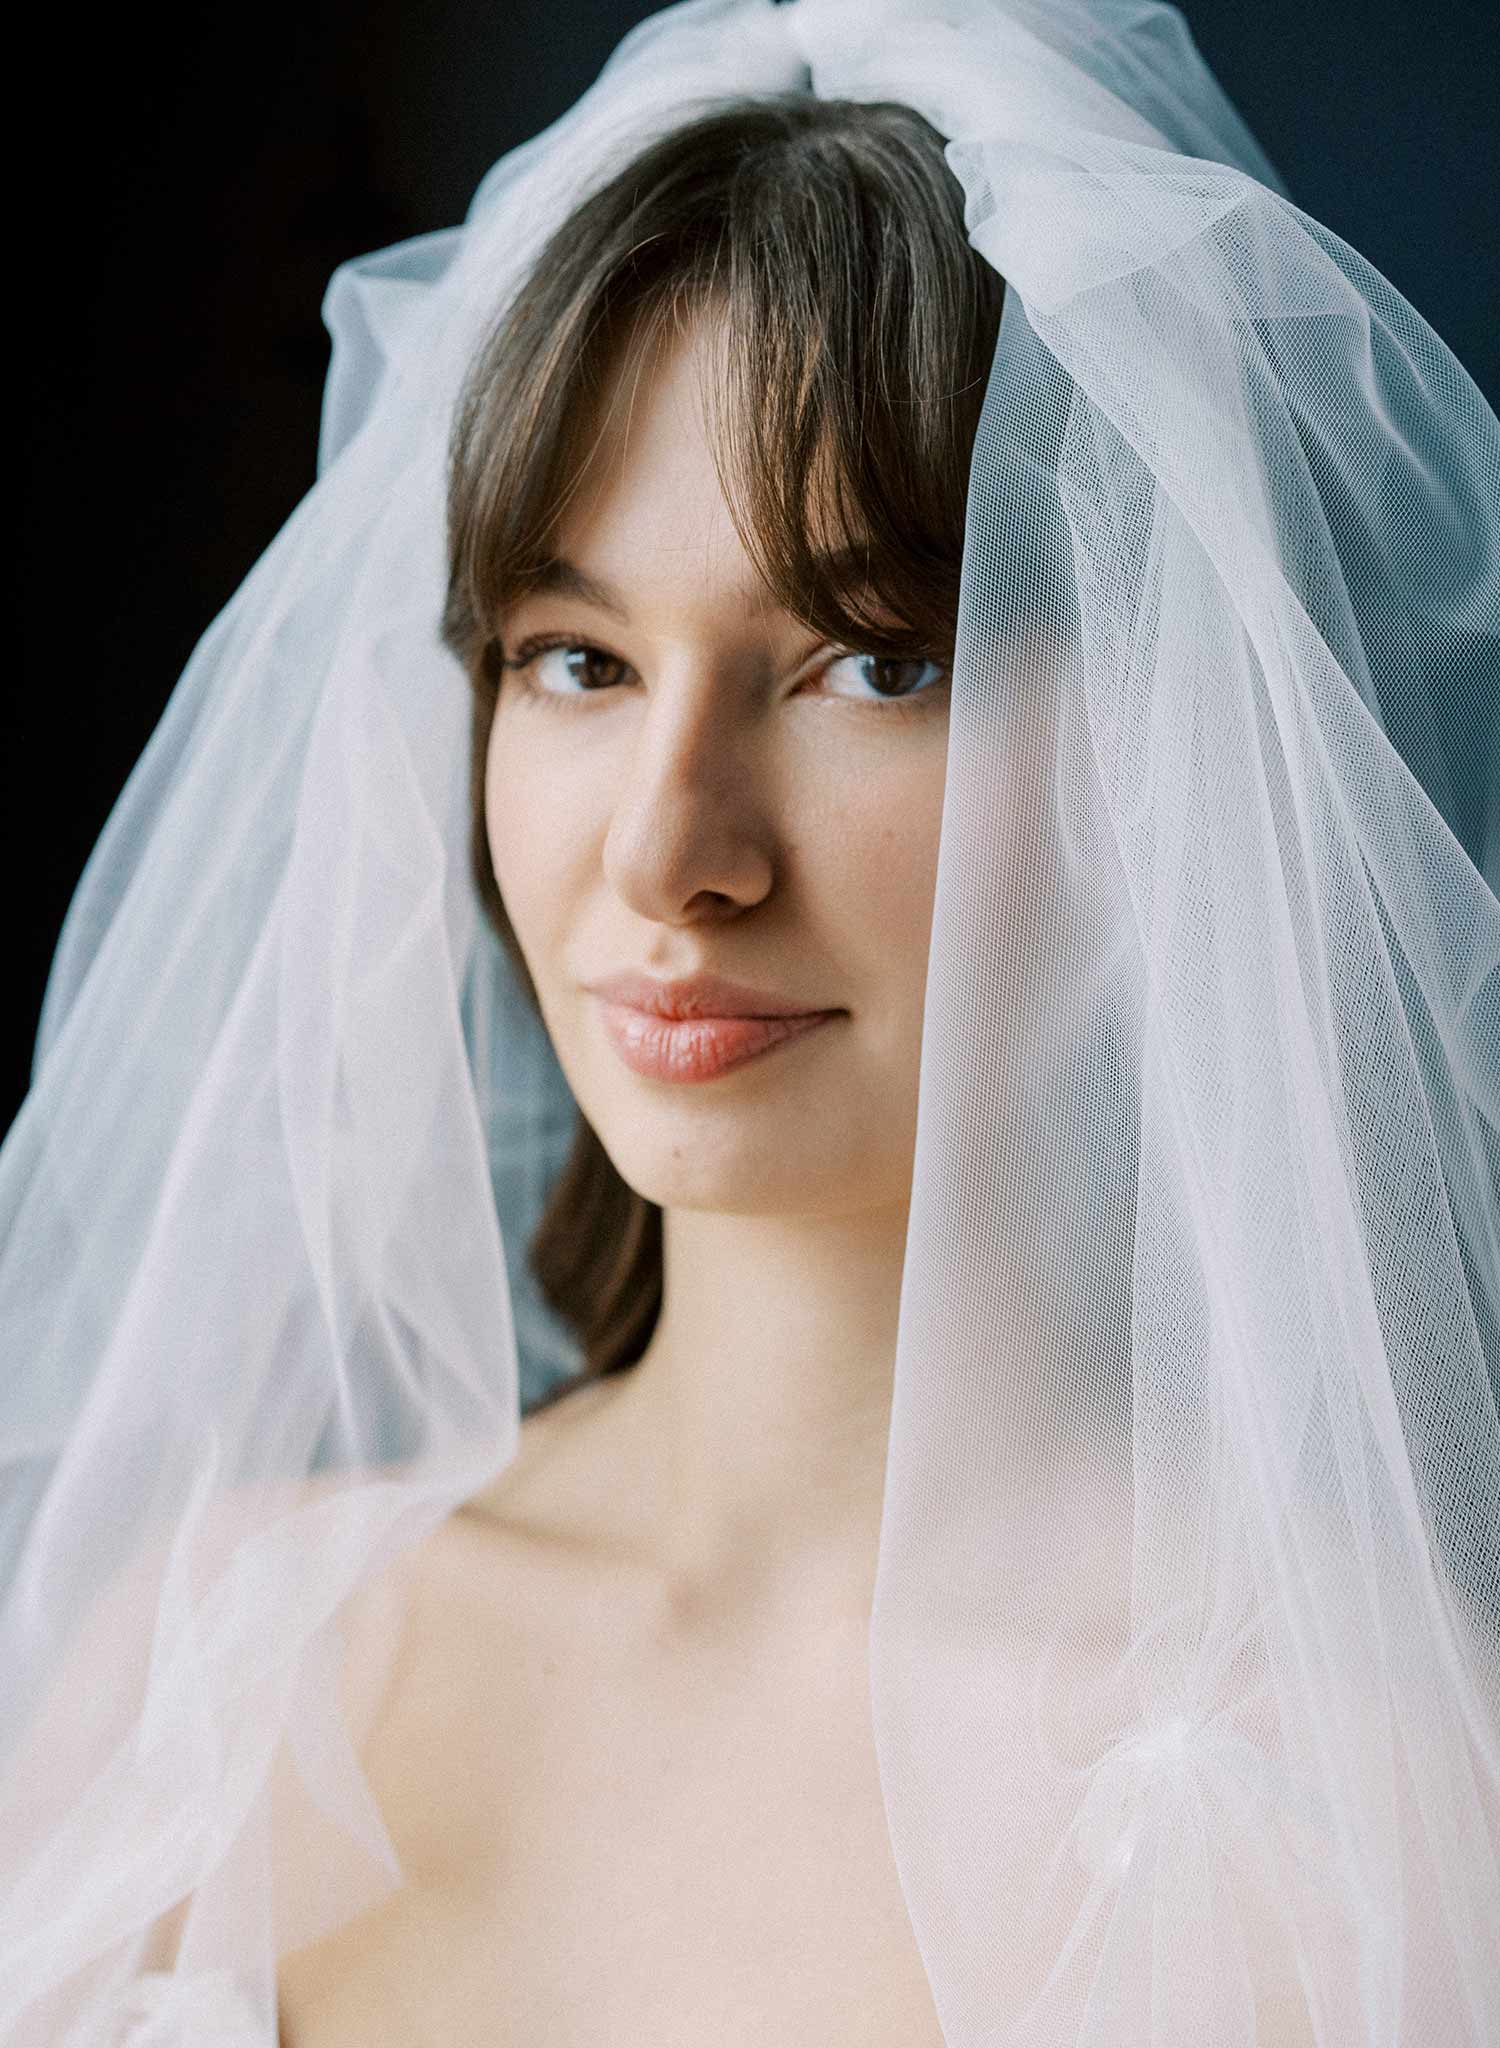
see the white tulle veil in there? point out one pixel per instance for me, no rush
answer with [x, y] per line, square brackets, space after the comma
[1185, 1653]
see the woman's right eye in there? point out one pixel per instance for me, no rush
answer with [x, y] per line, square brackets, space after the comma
[544, 678]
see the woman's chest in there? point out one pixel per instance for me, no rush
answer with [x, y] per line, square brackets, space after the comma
[606, 1853]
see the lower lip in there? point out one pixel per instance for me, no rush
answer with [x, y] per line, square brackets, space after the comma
[699, 1048]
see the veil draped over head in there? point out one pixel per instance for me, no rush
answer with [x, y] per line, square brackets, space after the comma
[1185, 1649]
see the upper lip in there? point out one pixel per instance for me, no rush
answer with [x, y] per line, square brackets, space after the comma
[699, 995]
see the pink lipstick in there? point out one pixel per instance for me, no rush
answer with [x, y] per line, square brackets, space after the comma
[698, 1048]
[698, 1028]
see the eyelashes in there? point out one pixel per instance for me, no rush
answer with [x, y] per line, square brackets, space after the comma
[523, 664]
[524, 660]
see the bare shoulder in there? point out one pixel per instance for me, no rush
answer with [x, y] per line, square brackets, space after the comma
[537, 1530]
[474, 1649]
[488, 1612]
[439, 1652]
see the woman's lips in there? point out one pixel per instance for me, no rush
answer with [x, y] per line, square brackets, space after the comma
[699, 1048]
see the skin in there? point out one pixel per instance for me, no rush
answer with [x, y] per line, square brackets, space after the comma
[739, 798]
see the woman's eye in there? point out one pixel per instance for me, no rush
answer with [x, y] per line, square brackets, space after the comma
[888, 678]
[565, 668]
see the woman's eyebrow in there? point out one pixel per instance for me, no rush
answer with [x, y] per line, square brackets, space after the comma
[558, 577]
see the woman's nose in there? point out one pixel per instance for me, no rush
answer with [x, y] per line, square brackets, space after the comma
[691, 828]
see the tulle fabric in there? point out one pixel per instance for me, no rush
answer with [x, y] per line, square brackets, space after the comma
[1185, 1651]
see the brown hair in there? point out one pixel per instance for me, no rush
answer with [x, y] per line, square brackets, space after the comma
[859, 328]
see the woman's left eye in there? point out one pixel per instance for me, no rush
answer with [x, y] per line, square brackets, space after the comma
[892, 680]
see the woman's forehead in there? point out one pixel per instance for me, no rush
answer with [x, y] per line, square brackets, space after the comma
[649, 434]
[647, 516]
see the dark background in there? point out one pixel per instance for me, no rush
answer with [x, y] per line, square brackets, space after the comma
[192, 181]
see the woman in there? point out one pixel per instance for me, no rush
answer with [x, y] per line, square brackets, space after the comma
[935, 538]
[691, 1535]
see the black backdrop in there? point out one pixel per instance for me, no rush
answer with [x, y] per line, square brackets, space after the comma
[192, 181]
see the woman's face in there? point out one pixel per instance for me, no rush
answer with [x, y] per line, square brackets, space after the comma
[691, 782]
